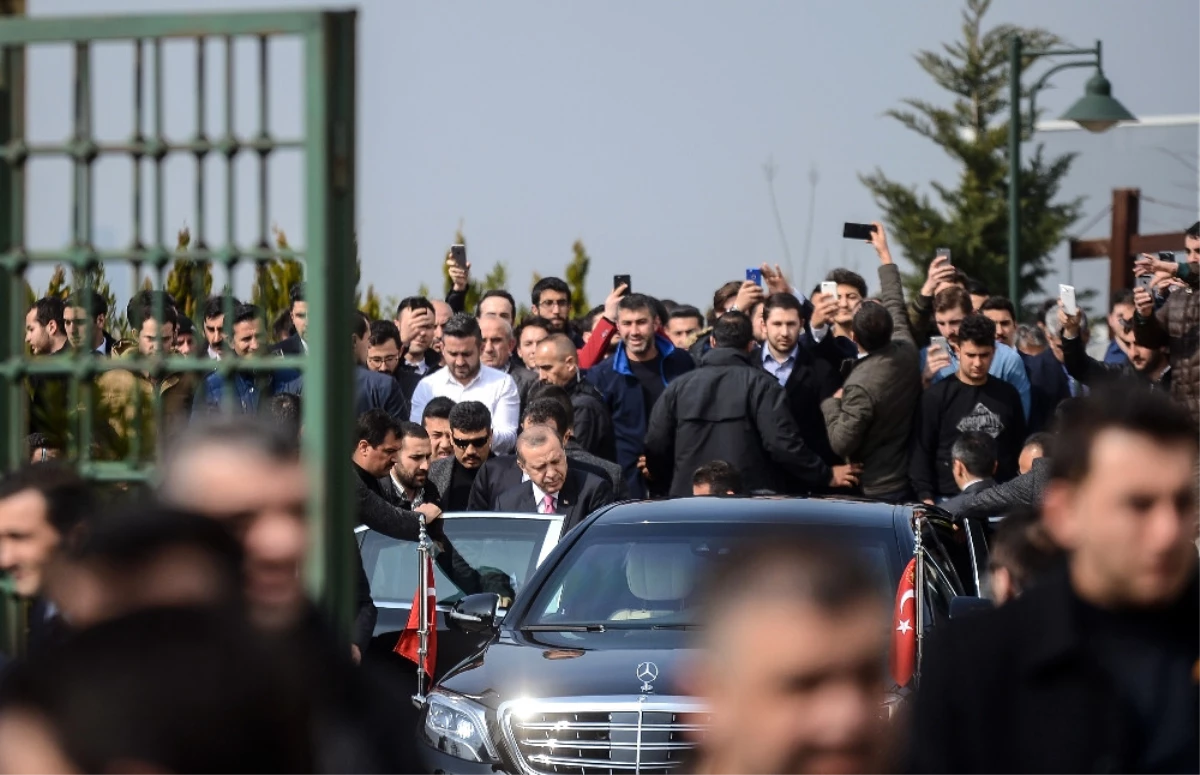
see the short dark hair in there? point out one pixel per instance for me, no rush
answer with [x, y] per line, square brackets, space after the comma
[462, 326]
[532, 321]
[734, 331]
[685, 311]
[846, 277]
[1193, 231]
[412, 430]
[548, 409]
[1022, 547]
[185, 325]
[496, 294]
[151, 298]
[146, 312]
[82, 297]
[724, 295]
[782, 301]
[636, 302]
[297, 293]
[246, 313]
[1043, 439]
[999, 304]
[549, 284]
[1117, 406]
[374, 425]
[977, 287]
[1122, 296]
[214, 307]
[872, 326]
[360, 324]
[383, 331]
[670, 305]
[49, 309]
[721, 477]
[953, 298]
[977, 451]
[1030, 335]
[978, 330]
[588, 321]
[438, 408]
[286, 409]
[470, 416]
[69, 499]
[548, 390]
[36, 441]
[282, 327]
[413, 303]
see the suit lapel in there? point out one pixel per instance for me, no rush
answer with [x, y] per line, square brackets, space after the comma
[568, 496]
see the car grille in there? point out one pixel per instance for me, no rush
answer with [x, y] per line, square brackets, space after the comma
[583, 736]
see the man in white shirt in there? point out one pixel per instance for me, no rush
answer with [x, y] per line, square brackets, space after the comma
[465, 378]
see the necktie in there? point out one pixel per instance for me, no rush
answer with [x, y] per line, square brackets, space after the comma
[548, 504]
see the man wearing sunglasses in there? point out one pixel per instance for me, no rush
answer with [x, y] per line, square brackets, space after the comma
[471, 436]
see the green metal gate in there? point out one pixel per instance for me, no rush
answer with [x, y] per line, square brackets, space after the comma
[328, 253]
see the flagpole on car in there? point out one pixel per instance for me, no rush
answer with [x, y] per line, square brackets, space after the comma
[424, 552]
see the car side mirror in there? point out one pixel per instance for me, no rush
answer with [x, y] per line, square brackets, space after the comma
[475, 614]
[965, 605]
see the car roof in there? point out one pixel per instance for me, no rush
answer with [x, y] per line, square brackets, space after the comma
[764, 509]
[487, 515]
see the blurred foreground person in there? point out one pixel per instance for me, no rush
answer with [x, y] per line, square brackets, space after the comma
[809, 699]
[1020, 555]
[42, 507]
[248, 476]
[1094, 669]
[168, 690]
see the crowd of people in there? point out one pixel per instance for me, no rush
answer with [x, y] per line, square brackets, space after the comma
[949, 397]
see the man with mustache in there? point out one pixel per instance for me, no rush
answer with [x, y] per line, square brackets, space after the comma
[471, 435]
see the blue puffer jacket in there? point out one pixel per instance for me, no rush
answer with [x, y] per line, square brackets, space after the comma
[625, 401]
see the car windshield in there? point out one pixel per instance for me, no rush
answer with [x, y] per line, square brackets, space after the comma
[643, 576]
[503, 550]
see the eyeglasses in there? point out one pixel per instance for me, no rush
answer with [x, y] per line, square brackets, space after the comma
[388, 360]
[555, 303]
[478, 442]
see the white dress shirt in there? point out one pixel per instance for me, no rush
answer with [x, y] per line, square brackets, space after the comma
[539, 495]
[491, 387]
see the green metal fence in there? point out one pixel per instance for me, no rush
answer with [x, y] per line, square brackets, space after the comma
[328, 252]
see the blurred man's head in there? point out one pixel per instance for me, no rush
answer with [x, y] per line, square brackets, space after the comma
[436, 421]
[783, 320]
[246, 473]
[383, 347]
[498, 304]
[552, 413]
[852, 289]
[442, 312]
[723, 299]
[684, 325]
[557, 360]
[976, 349]
[45, 329]
[541, 456]
[1122, 497]
[552, 300]
[422, 335]
[84, 330]
[734, 332]
[1120, 317]
[1036, 446]
[299, 309]
[462, 345]
[185, 337]
[717, 478]
[973, 457]
[1054, 331]
[41, 507]
[529, 335]
[1191, 246]
[1148, 360]
[471, 433]
[377, 442]
[214, 321]
[1031, 340]
[809, 699]
[978, 292]
[411, 468]
[872, 326]
[636, 324]
[247, 330]
[1020, 553]
[498, 340]
[1000, 311]
[155, 334]
[950, 307]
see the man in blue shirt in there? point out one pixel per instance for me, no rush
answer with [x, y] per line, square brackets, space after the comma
[1120, 328]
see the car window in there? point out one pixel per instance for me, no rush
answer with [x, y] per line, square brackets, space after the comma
[645, 575]
[503, 550]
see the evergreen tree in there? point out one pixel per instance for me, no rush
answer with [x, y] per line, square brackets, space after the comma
[189, 282]
[274, 278]
[577, 272]
[972, 218]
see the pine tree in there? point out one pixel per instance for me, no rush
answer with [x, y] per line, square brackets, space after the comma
[189, 282]
[274, 278]
[972, 218]
[577, 272]
[58, 287]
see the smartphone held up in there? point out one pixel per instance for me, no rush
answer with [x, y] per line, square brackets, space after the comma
[458, 254]
[858, 231]
[623, 279]
[1066, 295]
[755, 276]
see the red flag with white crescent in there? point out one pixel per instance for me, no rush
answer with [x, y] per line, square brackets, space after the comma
[904, 626]
[410, 640]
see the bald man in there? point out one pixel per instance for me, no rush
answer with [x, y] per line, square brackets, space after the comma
[552, 487]
[557, 362]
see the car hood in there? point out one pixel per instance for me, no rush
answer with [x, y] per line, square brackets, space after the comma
[568, 664]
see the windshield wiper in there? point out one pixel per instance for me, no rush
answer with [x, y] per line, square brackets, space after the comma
[563, 628]
[677, 626]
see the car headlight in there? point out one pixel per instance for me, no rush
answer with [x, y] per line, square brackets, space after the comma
[457, 726]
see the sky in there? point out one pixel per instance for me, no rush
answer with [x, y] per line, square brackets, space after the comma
[641, 129]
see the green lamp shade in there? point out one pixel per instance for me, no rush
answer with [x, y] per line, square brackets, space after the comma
[1098, 111]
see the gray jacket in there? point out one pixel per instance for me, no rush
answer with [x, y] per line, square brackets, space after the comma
[576, 452]
[440, 472]
[1023, 492]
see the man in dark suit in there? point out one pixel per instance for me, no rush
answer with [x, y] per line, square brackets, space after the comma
[973, 463]
[40, 507]
[295, 344]
[1094, 668]
[553, 488]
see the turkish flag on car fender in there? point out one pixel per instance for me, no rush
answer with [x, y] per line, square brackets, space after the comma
[904, 626]
[410, 639]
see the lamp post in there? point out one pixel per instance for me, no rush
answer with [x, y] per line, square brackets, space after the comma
[1097, 111]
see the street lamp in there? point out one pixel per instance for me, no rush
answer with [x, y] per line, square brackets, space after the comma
[1097, 111]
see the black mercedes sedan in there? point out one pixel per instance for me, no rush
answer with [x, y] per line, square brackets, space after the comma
[581, 675]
